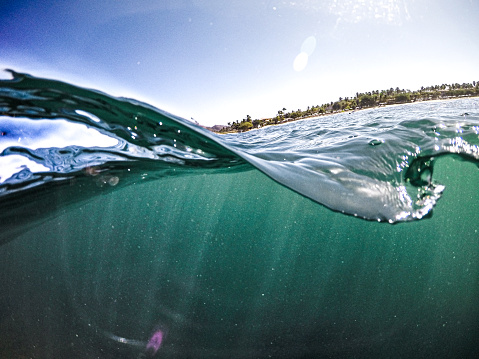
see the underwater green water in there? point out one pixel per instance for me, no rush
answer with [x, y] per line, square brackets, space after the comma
[234, 265]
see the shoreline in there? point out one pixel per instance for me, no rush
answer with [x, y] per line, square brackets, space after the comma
[350, 112]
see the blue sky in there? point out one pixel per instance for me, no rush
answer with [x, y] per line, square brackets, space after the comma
[218, 61]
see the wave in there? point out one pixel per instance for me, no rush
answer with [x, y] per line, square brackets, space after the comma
[374, 164]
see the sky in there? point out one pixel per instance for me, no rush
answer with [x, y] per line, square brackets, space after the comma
[218, 61]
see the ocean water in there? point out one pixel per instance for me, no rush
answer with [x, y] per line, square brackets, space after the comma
[127, 232]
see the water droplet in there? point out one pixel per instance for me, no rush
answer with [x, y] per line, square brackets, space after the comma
[376, 142]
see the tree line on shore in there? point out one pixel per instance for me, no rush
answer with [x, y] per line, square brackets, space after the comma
[360, 101]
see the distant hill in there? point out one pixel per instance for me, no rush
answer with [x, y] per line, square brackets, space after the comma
[215, 128]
